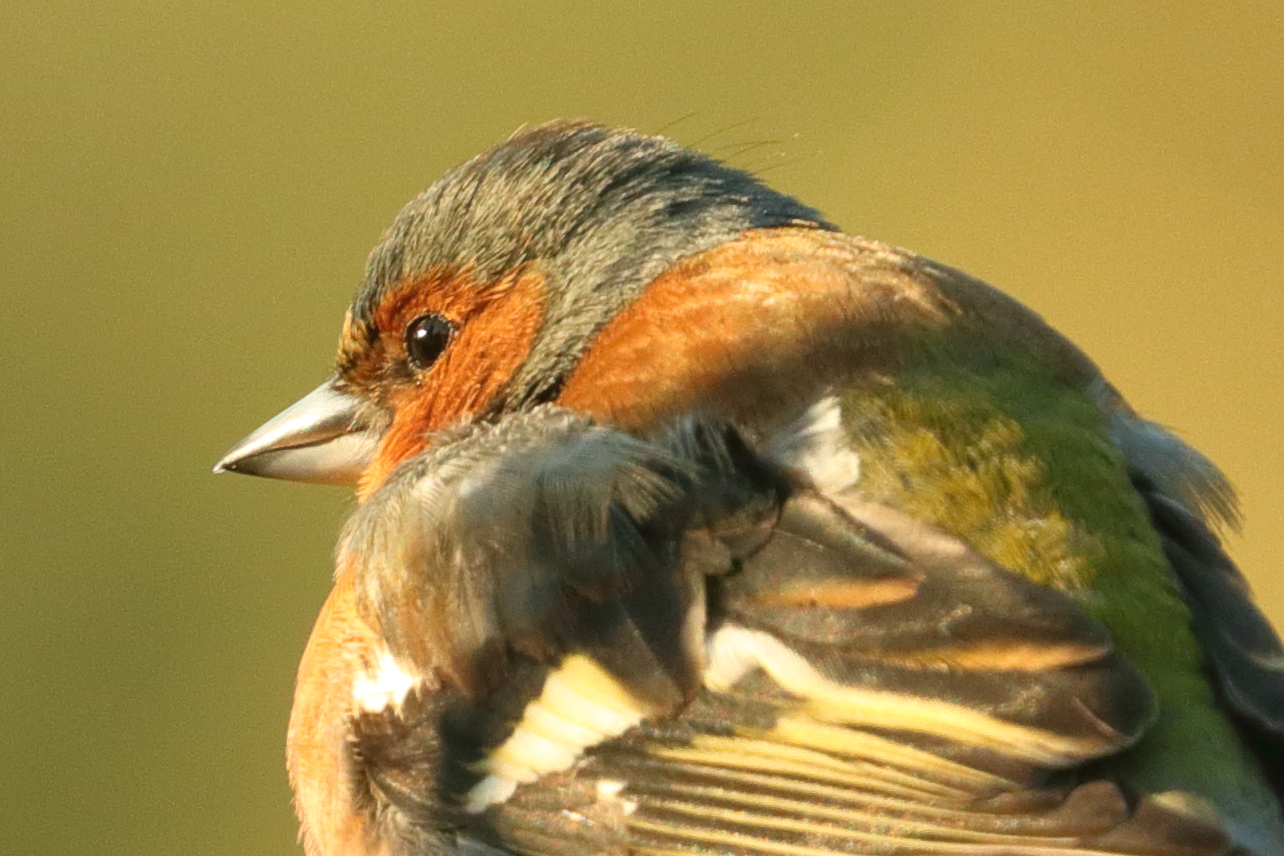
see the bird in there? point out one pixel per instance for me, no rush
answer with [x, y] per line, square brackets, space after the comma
[687, 523]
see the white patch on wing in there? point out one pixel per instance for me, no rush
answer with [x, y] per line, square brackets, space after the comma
[580, 705]
[609, 790]
[730, 656]
[382, 686]
[816, 444]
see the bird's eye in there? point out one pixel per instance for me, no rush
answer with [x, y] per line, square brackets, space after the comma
[426, 337]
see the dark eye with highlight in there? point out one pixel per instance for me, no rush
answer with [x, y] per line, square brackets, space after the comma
[426, 338]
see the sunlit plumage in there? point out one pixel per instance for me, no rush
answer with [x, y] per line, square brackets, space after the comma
[690, 524]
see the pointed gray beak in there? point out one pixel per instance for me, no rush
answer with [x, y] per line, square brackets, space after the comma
[319, 439]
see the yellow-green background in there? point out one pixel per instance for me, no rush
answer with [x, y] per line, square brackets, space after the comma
[189, 192]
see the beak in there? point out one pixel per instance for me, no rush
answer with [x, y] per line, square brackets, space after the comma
[321, 438]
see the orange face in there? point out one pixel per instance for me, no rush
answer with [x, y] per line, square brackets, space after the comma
[445, 346]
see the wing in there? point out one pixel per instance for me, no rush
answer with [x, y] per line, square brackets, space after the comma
[1242, 648]
[872, 686]
[865, 684]
[1183, 490]
[535, 591]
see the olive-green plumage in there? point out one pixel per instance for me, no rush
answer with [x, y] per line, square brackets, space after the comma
[993, 448]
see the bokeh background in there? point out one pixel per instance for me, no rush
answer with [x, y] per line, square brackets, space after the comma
[189, 192]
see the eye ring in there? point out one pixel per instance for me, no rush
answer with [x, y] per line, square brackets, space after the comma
[427, 338]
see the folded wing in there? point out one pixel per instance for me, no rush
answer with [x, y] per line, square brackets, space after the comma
[774, 671]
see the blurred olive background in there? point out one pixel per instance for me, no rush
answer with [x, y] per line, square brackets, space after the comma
[190, 191]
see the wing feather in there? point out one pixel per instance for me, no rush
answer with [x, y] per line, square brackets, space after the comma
[858, 733]
[834, 675]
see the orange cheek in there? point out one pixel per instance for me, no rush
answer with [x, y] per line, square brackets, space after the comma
[496, 326]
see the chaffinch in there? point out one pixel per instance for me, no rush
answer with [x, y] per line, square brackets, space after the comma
[688, 524]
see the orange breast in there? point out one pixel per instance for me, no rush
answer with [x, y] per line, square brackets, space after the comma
[326, 790]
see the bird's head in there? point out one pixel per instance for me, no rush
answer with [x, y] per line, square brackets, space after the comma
[485, 293]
